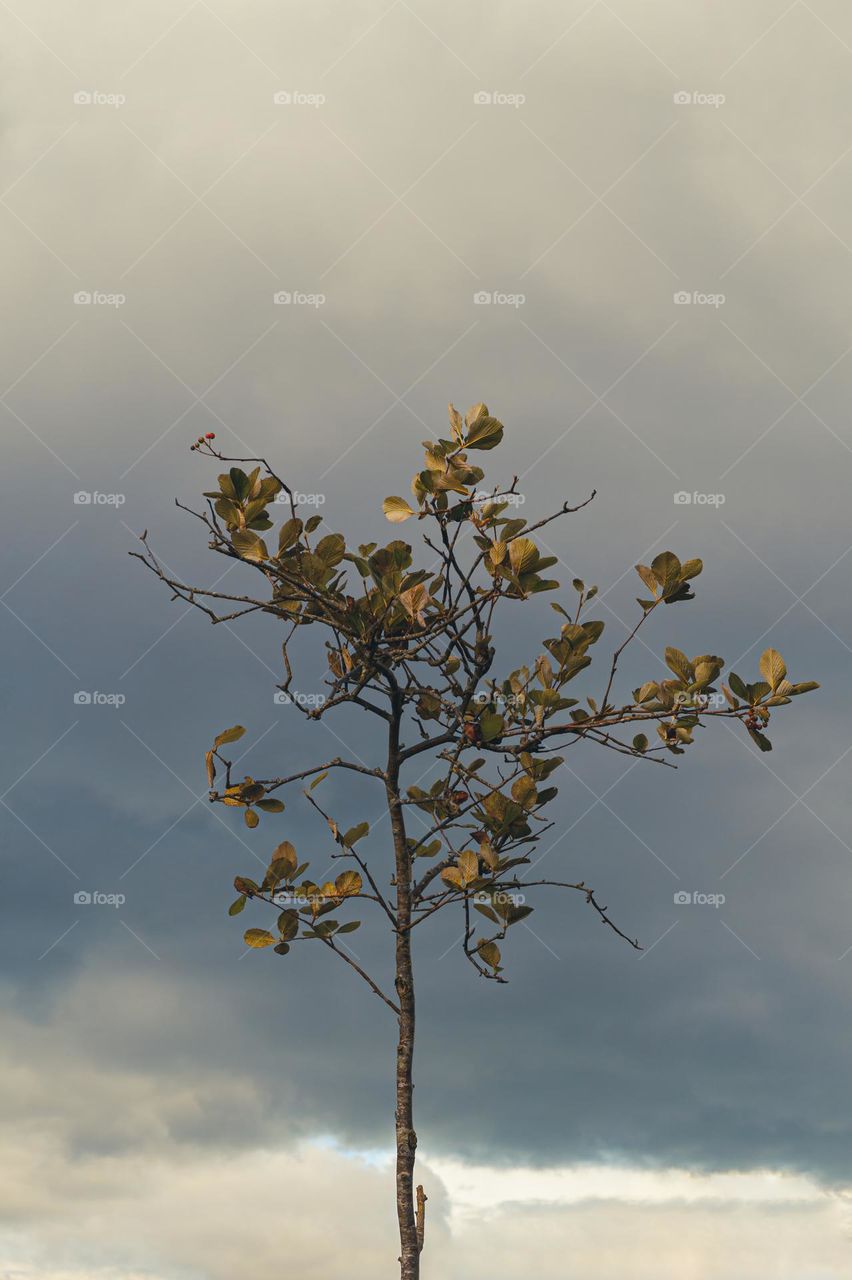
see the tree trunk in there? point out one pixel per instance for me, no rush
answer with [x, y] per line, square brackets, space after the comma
[406, 1138]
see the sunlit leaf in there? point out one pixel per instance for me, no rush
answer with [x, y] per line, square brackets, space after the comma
[258, 938]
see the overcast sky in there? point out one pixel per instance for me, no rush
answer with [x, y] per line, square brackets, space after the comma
[654, 203]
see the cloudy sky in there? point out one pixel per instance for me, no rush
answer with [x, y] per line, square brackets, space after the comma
[653, 202]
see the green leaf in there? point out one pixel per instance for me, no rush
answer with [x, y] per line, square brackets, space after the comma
[288, 925]
[251, 818]
[640, 743]
[270, 806]
[249, 546]
[318, 780]
[666, 569]
[236, 907]
[679, 664]
[738, 686]
[240, 483]
[491, 726]
[429, 850]
[487, 912]
[289, 534]
[354, 834]
[350, 926]
[490, 953]
[285, 854]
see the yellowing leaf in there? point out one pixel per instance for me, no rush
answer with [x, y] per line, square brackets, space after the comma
[772, 667]
[228, 735]
[490, 953]
[396, 509]
[523, 555]
[474, 414]
[249, 546]
[486, 433]
[258, 938]
[348, 883]
[414, 601]
[468, 867]
[251, 818]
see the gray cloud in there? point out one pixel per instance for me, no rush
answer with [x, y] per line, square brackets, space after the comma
[598, 199]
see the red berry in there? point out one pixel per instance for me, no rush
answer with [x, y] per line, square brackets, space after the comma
[211, 435]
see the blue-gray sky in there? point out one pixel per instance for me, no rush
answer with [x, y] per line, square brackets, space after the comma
[581, 165]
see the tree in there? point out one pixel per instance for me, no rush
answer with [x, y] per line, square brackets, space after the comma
[414, 649]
